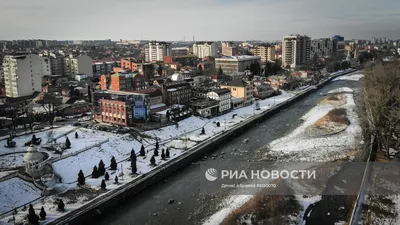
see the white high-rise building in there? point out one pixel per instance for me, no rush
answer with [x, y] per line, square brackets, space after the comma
[156, 51]
[23, 74]
[204, 49]
[295, 50]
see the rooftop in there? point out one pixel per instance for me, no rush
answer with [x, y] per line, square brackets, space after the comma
[239, 57]
[235, 83]
[221, 91]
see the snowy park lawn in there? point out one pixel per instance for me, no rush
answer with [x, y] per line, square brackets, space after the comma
[321, 148]
[12, 161]
[87, 137]
[21, 140]
[16, 192]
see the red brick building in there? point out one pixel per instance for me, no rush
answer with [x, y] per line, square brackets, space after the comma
[123, 82]
[115, 112]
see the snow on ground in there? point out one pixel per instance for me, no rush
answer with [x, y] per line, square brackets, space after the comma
[353, 77]
[191, 127]
[86, 138]
[117, 146]
[341, 90]
[229, 205]
[321, 148]
[5, 173]
[12, 161]
[21, 140]
[16, 192]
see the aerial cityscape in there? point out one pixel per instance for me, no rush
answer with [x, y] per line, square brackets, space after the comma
[214, 112]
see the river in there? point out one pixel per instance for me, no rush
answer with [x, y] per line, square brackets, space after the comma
[191, 206]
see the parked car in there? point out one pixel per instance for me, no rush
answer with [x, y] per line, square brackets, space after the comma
[37, 127]
[86, 118]
[58, 118]
[76, 124]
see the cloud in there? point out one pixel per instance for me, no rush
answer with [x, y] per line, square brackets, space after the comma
[207, 19]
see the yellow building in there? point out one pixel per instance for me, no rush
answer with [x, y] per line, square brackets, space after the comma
[240, 89]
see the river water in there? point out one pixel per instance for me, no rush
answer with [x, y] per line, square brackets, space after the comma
[192, 204]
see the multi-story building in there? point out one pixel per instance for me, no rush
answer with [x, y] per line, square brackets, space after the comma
[77, 65]
[46, 65]
[180, 51]
[204, 49]
[156, 51]
[120, 107]
[22, 74]
[223, 96]
[235, 65]
[323, 47]
[295, 50]
[132, 65]
[123, 81]
[56, 64]
[105, 66]
[266, 52]
[340, 46]
[228, 49]
[179, 92]
[240, 89]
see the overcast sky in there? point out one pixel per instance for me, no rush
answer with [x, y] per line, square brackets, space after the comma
[205, 19]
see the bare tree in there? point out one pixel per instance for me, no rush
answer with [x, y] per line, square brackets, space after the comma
[381, 103]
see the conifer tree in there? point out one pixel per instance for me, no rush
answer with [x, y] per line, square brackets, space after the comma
[106, 176]
[113, 165]
[42, 214]
[142, 151]
[103, 184]
[167, 153]
[152, 160]
[162, 154]
[133, 155]
[133, 165]
[116, 179]
[95, 172]
[67, 143]
[81, 178]
[101, 169]
[61, 205]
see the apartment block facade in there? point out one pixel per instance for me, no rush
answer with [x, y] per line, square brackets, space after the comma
[235, 65]
[266, 52]
[204, 49]
[23, 74]
[156, 51]
[322, 47]
[296, 50]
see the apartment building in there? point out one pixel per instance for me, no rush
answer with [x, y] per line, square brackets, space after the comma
[235, 65]
[204, 49]
[322, 47]
[223, 96]
[266, 52]
[240, 89]
[56, 64]
[73, 65]
[228, 49]
[156, 51]
[180, 51]
[296, 50]
[23, 74]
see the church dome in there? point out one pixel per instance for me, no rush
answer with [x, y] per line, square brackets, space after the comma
[32, 155]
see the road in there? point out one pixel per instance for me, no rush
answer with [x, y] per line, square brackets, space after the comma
[151, 206]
